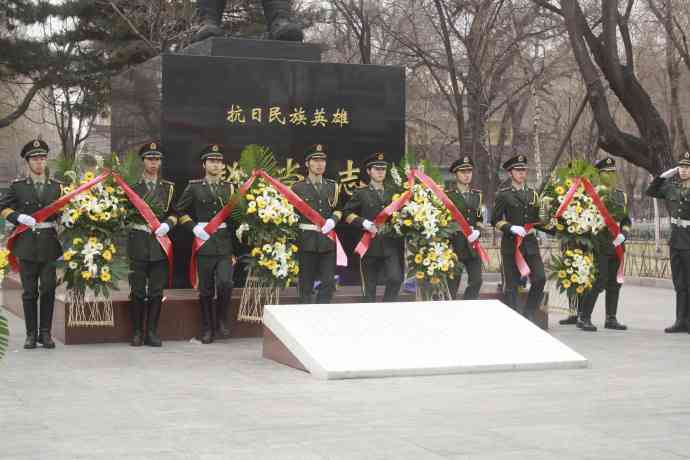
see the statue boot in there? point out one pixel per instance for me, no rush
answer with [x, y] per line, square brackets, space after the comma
[211, 13]
[281, 26]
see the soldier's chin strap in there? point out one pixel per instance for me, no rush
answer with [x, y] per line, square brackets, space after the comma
[44, 213]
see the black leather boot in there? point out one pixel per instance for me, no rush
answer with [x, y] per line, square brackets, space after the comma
[586, 325]
[681, 324]
[31, 322]
[152, 338]
[47, 340]
[136, 313]
[612, 323]
[222, 331]
[206, 320]
[611, 310]
[30, 342]
[47, 303]
[572, 319]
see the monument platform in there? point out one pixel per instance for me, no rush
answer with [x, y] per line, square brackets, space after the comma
[180, 318]
[342, 341]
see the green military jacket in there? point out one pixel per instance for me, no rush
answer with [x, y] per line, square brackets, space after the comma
[678, 205]
[366, 204]
[143, 245]
[323, 201]
[604, 239]
[469, 204]
[41, 244]
[516, 207]
[199, 203]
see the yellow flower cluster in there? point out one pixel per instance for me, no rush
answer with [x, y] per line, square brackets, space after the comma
[99, 204]
[279, 259]
[269, 206]
[423, 214]
[435, 262]
[89, 260]
[4, 262]
[575, 271]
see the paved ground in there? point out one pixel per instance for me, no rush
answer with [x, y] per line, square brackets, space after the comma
[223, 401]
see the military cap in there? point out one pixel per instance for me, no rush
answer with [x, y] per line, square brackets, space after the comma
[212, 151]
[150, 150]
[34, 148]
[517, 162]
[377, 159]
[684, 159]
[461, 164]
[606, 164]
[315, 152]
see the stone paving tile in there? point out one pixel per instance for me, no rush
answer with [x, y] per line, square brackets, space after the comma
[187, 401]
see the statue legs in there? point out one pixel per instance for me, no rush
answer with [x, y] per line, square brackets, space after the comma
[211, 13]
[280, 24]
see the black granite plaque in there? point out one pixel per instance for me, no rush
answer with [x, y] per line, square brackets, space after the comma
[354, 110]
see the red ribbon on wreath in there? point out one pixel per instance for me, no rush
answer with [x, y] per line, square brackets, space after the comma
[610, 222]
[299, 204]
[43, 213]
[151, 220]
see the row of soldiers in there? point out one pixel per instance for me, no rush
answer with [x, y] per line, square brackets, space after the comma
[516, 213]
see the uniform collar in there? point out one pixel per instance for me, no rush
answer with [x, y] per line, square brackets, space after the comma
[38, 179]
[462, 188]
[371, 186]
[315, 180]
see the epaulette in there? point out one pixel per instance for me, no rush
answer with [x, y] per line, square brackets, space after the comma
[505, 189]
[57, 181]
[19, 179]
[196, 181]
[331, 180]
[475, 190]
[167, 182]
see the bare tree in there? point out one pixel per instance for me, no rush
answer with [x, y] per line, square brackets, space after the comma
[600, 54]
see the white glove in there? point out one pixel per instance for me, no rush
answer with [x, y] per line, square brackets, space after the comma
[670, 173]
[26, 220]
[473, 236]
[369, 226]
[328, 226]
[200, 233]
[162, 229]
[518, 230]
[619, 240]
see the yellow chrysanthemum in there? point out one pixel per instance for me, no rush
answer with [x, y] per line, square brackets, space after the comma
[573, 278]
[107, 255]
[418, 259]
[256, 252]
[67, 255]
[105, 277]
[86, 275]
[77, 241]
[294, 248]
[420, 275]
[560, 190]
[566, 283]
[88, 176]
[562, 274]
[580, 289]
[407, 222]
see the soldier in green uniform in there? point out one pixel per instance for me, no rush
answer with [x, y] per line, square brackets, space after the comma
[606, 260]
[38, 248]
[516, 206]
[317, 256]
[147, 260]
[677, 196]
[469, 202]
[383, 259]
[199, 203]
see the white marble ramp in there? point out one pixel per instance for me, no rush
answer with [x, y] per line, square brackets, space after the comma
[340, 341]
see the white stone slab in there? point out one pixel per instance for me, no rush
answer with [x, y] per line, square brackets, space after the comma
[339, 341]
